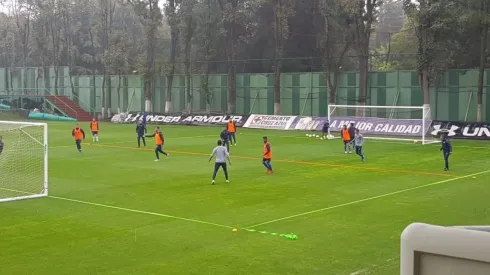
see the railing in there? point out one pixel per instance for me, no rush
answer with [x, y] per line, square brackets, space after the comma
[55, 107]
[56, 97]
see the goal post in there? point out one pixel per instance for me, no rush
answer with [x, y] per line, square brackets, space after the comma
[397, 123]
[23, 160]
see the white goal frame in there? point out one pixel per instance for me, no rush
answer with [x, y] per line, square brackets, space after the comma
[426, 114]
[27, 195]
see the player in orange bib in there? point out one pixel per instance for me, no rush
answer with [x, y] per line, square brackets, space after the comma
[94, 127]
[231, 127]
[346, 138]
[159, 141]
[78, 134]
[267, 157]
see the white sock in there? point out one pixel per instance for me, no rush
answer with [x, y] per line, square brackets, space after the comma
[97, 138]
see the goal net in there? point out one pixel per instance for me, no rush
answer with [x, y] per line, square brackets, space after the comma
[23, 160]
[398, 123]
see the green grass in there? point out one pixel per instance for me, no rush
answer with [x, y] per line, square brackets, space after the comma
[64, 235]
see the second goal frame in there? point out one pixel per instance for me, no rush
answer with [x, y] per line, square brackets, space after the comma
[405, 129]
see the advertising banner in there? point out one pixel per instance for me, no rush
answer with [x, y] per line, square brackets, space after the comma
[179, 119]
[270, 122]
[367, 125]
[463, 130]
[381, 126]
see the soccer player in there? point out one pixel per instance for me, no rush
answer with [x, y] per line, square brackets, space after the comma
[94, 127]
[325, 128]
[159, 141]
[144, 120]
[446, 149]
[140, 133]
[352, 133]
[346, 138]
[267, 157]
[231, 127]
[225, 138]
[221, 154]
[358, 143]
[1, 144]
[78, 134]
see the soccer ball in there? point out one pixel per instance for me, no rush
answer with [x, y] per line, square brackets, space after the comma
[307, 135]
[415, 141]
[317, 136]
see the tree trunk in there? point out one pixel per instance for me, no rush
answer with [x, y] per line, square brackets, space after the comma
[231, 88]
[332, 87]
[102, 111]
[363, 82]
[147, 78]
[481, 72]
[188, 78]
[119, 93]
[170, 76]
[108, 92]
[425, 85]
[277, 87]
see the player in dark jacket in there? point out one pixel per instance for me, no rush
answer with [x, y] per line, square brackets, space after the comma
[446, 149]
[225, 137]
[140, 133]
[352, 132]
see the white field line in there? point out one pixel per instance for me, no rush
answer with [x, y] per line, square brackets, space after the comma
[368, 199]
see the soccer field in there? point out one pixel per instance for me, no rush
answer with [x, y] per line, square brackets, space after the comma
[113, 210]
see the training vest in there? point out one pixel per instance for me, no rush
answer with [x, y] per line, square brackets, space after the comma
[345, 134]
[78, 135]
[158, 138]
[231, 127]
[267, 155]
[94, 126]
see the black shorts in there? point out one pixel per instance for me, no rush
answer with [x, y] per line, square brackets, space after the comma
[95, 132]
[347, 141]
[217, 165]
[266, 160]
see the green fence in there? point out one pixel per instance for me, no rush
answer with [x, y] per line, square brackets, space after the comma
[455, 98]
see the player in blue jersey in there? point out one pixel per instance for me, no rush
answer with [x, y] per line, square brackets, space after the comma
[143, 119]
[446, 149]
[325, 128]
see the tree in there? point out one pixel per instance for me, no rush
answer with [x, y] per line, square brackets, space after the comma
[7, 44]
[188, 25]
[173, 21]
[22, 12]
[107, 9]
[335, 40]
[400, 52]
[476, 16]
[365, 13]
[150, 18]
[206, 38]
[283, 10]
[391, 20]
[435, 26]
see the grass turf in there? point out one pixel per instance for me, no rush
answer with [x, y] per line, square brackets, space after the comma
[111, 207]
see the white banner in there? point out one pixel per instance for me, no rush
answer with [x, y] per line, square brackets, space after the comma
[269, 122]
